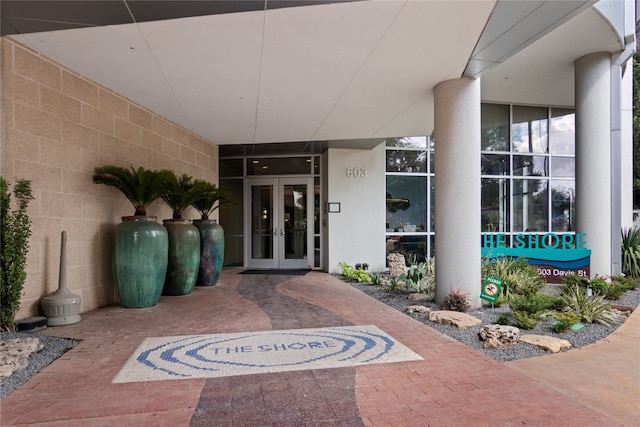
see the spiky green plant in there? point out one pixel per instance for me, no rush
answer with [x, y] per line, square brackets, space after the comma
[518, 277]
[140, 186]
[376, 278]
[15, 230]
[210, 197]
[180, 192]
[414, 278]
[590, 309]
[631, 251]
[393, 284]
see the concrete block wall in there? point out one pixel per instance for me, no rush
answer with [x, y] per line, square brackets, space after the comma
[56, 128]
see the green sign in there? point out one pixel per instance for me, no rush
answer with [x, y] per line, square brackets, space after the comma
[491, 289]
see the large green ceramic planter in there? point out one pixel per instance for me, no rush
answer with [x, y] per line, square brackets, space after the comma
[140, 249]
[184, 257]
[211, 251]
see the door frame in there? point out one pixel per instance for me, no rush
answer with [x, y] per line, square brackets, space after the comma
[278, 261]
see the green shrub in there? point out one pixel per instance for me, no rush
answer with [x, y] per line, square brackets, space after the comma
[457, 301]
[536, 303]
[15, 230]
[525, 320]
[599, 284]
[393, 285]
[503, 319]
[590, 309]
[609, 288]
[565, 320]
[627, 283]
[572, 280]
[352, 273]
[518, 277]
[631, 252]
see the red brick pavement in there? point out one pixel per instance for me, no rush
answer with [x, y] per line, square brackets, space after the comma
[453, 386]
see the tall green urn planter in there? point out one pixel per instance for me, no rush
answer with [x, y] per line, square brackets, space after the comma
[140, 251]
[211, 251]
[184, 257]
[140, 245]
[210, 197]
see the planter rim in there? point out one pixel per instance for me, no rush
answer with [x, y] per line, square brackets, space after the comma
[177, 221]
[215, 221]
[140, 218]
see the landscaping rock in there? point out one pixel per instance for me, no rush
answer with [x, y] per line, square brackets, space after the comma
[546, 342]
[14, 354]
[397, 264]
[495, 336]
[415, 296]
[622, 311]
[453, 318]
[418, 309]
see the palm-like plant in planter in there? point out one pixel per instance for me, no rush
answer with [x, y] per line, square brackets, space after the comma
[211, 233]
[140, 244]
[141, 186]
[184, 237]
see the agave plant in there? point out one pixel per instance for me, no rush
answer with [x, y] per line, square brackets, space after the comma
[140, 186]
[631, 251]
[591, 309]
[210, 197]
[180, 192]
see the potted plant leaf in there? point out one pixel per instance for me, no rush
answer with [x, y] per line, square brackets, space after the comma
[140, 244]
[184, 237]
[211, 233]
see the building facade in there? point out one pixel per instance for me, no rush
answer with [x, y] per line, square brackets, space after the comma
[343, 130]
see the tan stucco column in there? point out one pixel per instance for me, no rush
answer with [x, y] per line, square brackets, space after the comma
[457, 189]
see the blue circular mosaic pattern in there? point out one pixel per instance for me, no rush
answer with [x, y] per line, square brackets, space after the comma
[187, 357]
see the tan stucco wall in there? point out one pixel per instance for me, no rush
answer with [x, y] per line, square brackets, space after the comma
[56, 128]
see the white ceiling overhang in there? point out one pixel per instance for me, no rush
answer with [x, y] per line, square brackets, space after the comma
[357, 70]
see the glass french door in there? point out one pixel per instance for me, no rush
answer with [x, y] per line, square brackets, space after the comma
[278, 226]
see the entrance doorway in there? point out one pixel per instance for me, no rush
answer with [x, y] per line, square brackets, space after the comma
[279, 233]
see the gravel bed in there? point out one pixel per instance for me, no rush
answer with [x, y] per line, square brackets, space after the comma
[53, 348]
[589, 334]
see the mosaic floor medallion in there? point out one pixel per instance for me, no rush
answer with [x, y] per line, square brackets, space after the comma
[221, 355]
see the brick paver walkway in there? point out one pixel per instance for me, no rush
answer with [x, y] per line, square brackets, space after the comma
[453, 386]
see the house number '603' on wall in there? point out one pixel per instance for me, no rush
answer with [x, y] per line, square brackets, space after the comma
[356, 172]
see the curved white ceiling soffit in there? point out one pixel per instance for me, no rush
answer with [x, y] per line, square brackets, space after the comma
[338, 71]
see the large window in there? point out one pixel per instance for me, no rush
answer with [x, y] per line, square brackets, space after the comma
[528, 184]
[409, 190]
[527, 177]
